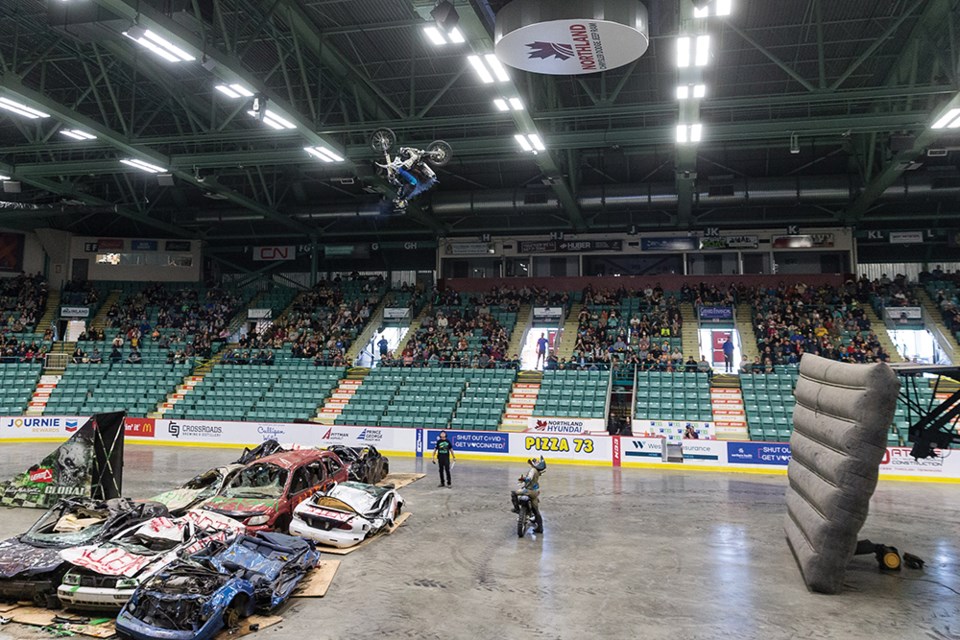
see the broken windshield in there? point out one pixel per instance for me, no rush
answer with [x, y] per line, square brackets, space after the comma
[260, 480]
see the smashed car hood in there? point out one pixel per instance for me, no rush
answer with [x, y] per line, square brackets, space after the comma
[17, 557]
[224, 504]
[360, 497]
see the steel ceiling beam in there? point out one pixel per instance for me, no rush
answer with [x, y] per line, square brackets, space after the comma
[12, 86]
[626, 138]
[935, 17]
[478, 39]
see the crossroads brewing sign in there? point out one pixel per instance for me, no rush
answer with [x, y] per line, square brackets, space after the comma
[572, 37]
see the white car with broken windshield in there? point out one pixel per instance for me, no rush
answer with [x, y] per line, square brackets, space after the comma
[347, 514]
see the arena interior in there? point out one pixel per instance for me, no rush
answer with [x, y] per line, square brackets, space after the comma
[629, 237]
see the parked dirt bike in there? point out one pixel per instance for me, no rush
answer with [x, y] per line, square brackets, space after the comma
[525, 517]
[437, 153]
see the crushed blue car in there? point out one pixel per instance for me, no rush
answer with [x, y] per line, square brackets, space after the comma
[195, 598]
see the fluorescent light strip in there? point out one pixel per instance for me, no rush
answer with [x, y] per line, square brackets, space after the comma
[168, 46]
[703, 51]
[681, 134]
[242, 90]
[324, 154]
[683, 52]
[723, 7]
[497, 68]
[433, 34]
[523, 142]
[701, 12]
[699, 90]
[537, 142]
[481, 69]
[143, 166]
[22, 109]
[286, 124]
[692, 133]
[227, 91]
[143, 42]
[683, 92]
[4, 177]
[954, 125]
[456, 37]
[516, 104]
[77, 134]
[696, 132]
[501, 104]
[944, 120]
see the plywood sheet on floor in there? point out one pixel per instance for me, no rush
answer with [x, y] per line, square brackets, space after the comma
[342, 552]
[37, 617]
[246, 623]
[318, 581]
[399, 480]
[7, 606]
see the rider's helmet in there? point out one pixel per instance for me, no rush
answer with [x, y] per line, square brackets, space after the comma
[538, 463]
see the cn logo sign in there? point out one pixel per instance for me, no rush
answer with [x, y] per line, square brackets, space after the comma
[274, 254]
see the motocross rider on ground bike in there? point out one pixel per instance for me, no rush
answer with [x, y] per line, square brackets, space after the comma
[412, 172]
[531, 487]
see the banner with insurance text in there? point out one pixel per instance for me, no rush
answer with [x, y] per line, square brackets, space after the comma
[558, 447]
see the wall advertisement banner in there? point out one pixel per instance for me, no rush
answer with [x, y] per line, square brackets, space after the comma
[673, 430]
[715, 313]
[545, 424]
[903, 315]
[395, 314]
[578, 448]
[548, 315]
[74, 312]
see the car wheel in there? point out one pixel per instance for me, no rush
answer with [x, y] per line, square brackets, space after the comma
[283, 524]
[234, 613]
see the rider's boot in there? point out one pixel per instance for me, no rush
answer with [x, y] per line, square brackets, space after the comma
[516, 504]
[539, 522]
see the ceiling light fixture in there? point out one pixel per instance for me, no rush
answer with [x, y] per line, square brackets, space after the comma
[439, 38]
[4, 177]
[485, 76]
[323, 153]
[22, 109]
[686, 91]
[516, 104]
[498, 69]
[703, 51]
[143, 166]
[273, 120]
[501, 104]
[77, 134]
[695, 51]
[951, 119]
[717, 8]
[234, 91]
[157, 44]
[689, 133]
[531, 143]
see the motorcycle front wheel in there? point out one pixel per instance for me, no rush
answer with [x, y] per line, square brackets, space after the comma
[439, 153]
[522, 520]
[382, 140]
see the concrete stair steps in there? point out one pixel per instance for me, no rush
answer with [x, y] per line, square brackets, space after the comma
[880, 330]
[744, 325]
[524, 315]
[99, 321]
[568, 335]
[952, 348]
[369, 329]
[689, 337]
[50, 311]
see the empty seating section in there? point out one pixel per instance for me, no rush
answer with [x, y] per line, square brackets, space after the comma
[673, 396]
[17, 381]
[573, 394]
[474, 398]
[137, 388]
[282, 392]
[768, 401]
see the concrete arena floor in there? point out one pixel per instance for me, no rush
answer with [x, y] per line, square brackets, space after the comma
[626, 554]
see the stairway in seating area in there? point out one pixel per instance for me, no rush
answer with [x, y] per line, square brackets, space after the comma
[523, 398]
[99, 321]
[412, 331]
[880, 330]
[748, 340]
[568, 336]
[369, 331]
[341, 396]
[524, 315]
[933, 316]
[41, 395]
[726, 402]
[50, 312]
[191, 381]
[690, 338]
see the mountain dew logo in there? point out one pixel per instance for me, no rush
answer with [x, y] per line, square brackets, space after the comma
[546, 50]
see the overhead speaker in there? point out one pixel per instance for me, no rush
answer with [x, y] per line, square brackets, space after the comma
[165, 179]
[11, 186]
[445, 15]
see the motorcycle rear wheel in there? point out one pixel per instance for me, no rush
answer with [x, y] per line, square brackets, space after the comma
[382, 140]
[439, 153]
[522, 521]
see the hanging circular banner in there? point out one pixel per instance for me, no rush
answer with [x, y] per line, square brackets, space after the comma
[572, 37]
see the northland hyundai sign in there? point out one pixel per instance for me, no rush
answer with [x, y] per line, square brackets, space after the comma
[571, 37]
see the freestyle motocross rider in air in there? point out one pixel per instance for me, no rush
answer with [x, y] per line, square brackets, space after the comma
[410, 170]
[531, 487]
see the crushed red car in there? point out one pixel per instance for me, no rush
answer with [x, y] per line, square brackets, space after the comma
[263, 494]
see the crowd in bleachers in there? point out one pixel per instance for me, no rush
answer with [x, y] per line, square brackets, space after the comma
[79, 293]
[17, 350]
[617, 327]
[791, 320]
[22, 301]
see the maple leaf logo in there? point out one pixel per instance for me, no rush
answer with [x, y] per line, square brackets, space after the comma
[544, 50]
[541, 425]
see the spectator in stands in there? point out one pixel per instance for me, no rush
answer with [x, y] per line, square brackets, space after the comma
[703, 366]
[134, 357]
[690, 366]
[728, 354]
[115, 355]
[96, 357]
[79, 356]
[690, 433]
[745, 367]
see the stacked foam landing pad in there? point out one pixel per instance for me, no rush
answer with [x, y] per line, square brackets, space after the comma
[840, 427]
